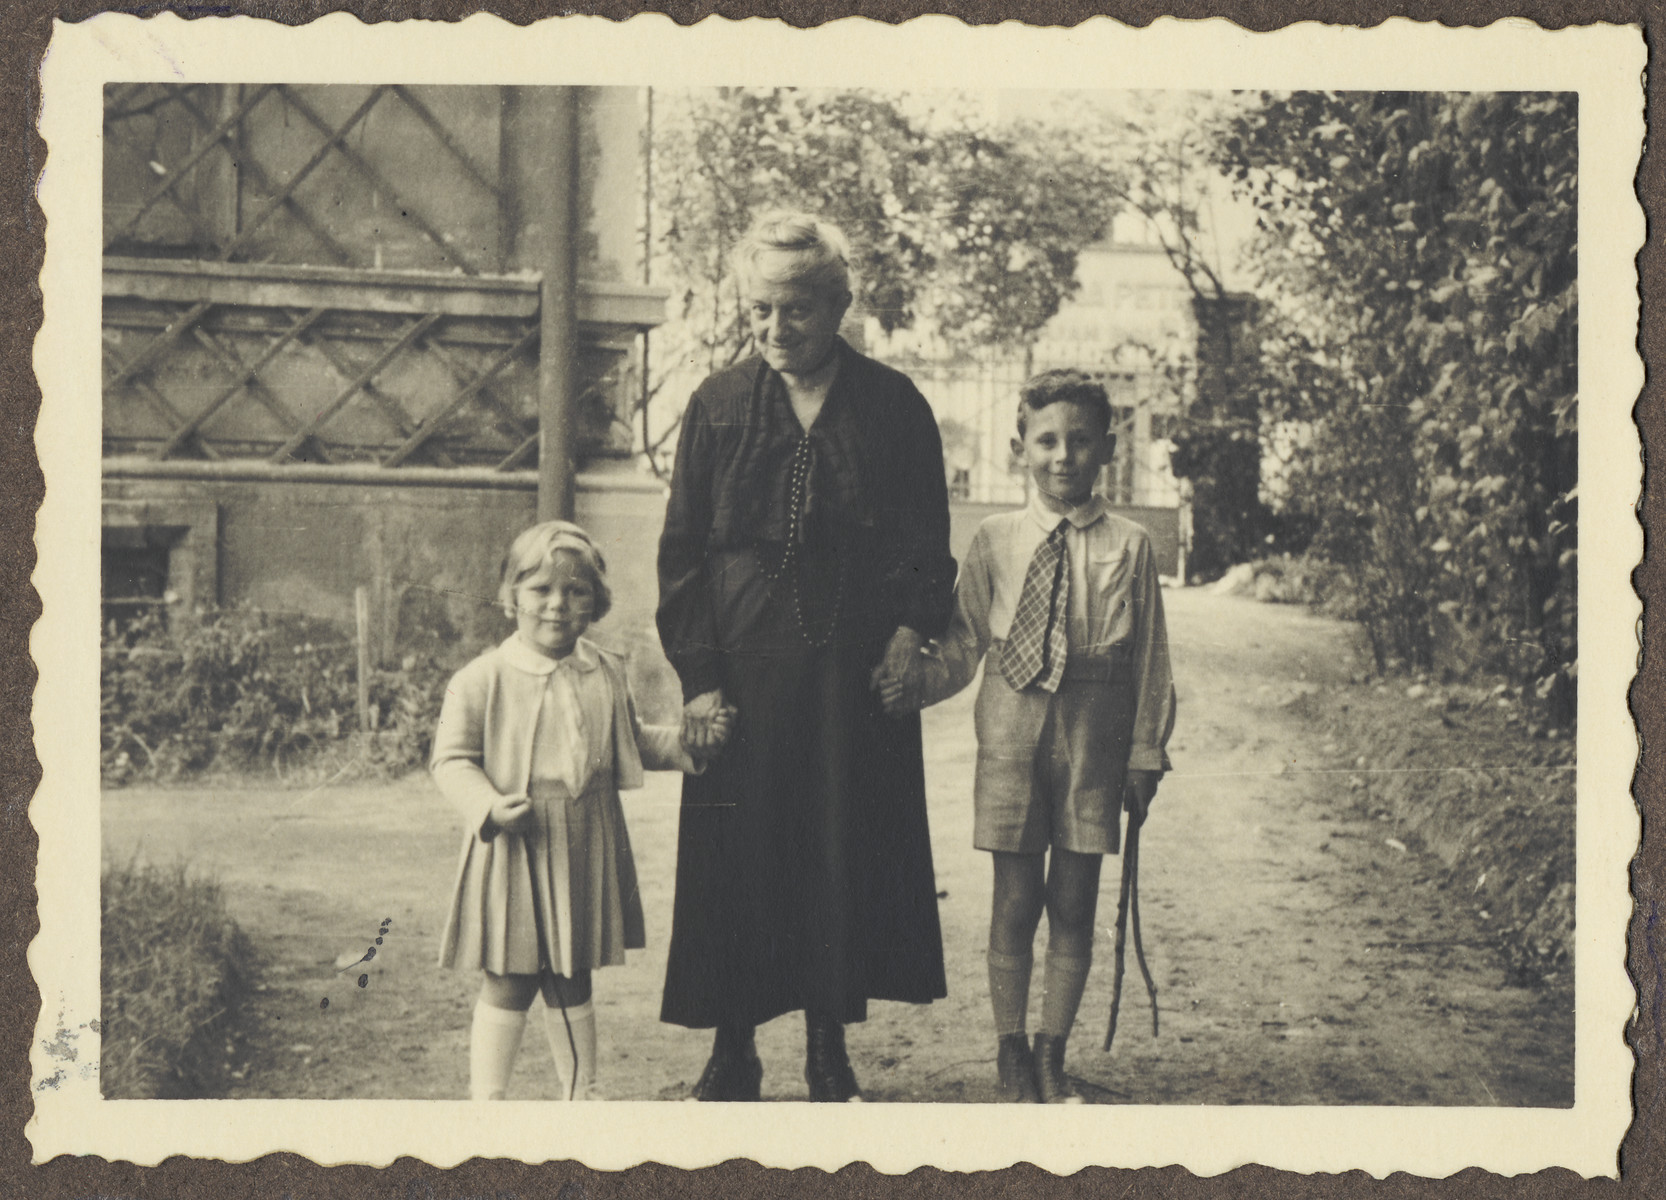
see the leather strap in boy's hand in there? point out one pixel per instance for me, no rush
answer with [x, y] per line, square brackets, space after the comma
[1137, 792]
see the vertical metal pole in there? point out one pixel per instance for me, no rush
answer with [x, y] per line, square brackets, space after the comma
[507, 103]
[558, 316]
[233, 96]
[648, 192]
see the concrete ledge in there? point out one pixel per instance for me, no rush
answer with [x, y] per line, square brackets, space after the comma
[260, 471]
[601, 303]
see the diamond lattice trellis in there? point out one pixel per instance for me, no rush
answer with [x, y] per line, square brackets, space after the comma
[225, 336]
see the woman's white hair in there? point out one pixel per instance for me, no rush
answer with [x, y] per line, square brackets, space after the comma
[820, 250]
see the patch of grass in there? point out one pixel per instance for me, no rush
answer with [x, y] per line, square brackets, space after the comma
[175, 969]
[1473, 775]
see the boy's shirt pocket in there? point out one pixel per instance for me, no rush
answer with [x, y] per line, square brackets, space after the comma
[1108, 562]
[1109, 575]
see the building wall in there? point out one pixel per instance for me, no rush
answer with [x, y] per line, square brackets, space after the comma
[1128, 293]
[429, 556]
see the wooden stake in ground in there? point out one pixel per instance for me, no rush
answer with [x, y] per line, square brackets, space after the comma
[1128, 904]
[361, 620]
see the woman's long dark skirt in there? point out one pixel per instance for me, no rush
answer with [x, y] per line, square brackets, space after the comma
[804, 876]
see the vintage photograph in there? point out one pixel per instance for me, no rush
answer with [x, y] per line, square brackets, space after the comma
[761, 593]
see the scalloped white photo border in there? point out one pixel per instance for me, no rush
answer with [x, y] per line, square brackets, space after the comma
[1603, 64]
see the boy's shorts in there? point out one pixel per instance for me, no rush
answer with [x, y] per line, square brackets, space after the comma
[1051, 766]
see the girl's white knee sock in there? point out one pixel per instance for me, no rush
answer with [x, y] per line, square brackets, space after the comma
[493, 1044]
[575, 1055]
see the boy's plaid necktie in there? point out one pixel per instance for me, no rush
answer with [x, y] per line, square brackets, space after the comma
[1038, 641]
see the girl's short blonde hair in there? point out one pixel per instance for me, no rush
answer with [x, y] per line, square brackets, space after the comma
[820, 250]
[536, 549]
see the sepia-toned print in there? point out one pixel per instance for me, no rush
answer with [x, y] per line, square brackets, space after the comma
[655, 587]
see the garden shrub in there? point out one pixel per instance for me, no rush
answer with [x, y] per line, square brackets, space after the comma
[1416, 267]
[240, 689]
[175, 969]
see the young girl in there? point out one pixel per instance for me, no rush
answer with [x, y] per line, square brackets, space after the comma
[535, 739]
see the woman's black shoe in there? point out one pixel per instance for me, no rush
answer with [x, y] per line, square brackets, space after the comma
[733, 1072]
[1050, 1079]
[826, 1065]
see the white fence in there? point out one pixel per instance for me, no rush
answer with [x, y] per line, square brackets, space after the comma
[976, 405]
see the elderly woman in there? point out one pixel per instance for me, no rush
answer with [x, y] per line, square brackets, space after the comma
[805, 557]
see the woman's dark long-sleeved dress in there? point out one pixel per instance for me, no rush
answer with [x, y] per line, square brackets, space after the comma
[804, 875]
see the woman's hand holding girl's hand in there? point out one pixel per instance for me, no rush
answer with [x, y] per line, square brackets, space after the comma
[512, 814]
[721, 726]
[705, 729]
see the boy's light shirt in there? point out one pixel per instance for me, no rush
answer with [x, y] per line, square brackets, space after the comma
[1114, 600]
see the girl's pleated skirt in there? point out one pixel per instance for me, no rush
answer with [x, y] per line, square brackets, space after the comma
[561, 897]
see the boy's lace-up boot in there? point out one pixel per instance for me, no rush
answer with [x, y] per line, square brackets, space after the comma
[1051, 1081]
[1016, 1067]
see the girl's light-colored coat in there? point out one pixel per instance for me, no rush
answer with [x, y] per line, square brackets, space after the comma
[483, 752]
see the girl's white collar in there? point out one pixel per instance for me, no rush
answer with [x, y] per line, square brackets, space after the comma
[524, 658]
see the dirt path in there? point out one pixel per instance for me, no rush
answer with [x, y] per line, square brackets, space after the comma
[1301, 958]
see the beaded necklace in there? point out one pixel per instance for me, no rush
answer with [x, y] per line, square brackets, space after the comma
[786, 570]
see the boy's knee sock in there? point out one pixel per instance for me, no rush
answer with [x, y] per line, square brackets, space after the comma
[572, 1034]
[493, 1043]
[1009, 990]
[1062, 983]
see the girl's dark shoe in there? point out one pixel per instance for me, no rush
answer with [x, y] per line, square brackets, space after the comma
[1050, 1080]
[733, 1072]
[826, 1065]
[1017, 1070]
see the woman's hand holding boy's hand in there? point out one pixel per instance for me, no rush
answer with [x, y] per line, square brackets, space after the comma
[894, 697]
[898, 678]
[512, 814]
[1137, 793]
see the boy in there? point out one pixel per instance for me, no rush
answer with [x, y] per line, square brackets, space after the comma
[1075, 710]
